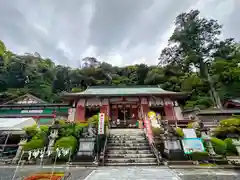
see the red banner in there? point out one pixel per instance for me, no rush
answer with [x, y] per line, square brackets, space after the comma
[148, 128]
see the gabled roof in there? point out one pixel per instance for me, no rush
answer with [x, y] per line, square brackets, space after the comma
[26, 99]
[123, 91]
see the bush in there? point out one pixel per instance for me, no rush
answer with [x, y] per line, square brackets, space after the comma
[34, 144]
[157, 131]
[231, 148]
[67, 142]
[94, 120]
[31, 130]
[199, 156]
[179, 132]
[230, 122]
[219, 146]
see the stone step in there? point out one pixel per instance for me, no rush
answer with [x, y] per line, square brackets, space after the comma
[125, 131]
[128, 144]
[130, 160]
[118, 151]
[127, 139]
[128, 148]
[109, 155]
[131, 164]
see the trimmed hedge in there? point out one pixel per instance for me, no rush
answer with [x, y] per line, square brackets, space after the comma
[231, 148]
[200, 156]
[219, 146]
[67, 142]
[34, 144]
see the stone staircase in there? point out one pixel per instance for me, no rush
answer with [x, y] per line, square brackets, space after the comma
[128, 147]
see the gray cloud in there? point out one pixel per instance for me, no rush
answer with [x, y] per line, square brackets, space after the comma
[118, 32]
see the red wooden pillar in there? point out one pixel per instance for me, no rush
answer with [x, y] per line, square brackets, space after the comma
[105, 107]
[145, 107]
[80, 111]
[169, 109]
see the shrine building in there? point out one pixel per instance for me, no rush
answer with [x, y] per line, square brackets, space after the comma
[125, 104]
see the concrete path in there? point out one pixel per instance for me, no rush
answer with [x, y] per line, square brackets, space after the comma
[132, 173]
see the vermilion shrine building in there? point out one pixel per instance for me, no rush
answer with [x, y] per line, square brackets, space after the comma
[127, 104]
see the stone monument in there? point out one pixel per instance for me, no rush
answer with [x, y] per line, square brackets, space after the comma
[86, 150]
[172, 145]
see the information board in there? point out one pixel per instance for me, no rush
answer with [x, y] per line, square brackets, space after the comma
[191, 145]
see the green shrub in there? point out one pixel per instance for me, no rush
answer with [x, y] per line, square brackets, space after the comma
[230, 122]
[219, 146]
[34, 144]
[199, 156]
[44, 129]
[95, 118]
[31, 130]
[157, 131]
[231, 148]
[179, 132]
[67, 142]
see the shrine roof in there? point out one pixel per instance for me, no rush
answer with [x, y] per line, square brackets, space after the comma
[218, 111]
[123, 91]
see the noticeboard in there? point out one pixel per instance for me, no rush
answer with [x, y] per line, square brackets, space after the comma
[191, 145]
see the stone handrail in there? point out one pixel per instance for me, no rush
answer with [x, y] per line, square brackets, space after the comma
[153, 148]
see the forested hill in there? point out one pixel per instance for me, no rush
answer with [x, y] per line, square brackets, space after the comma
[196, 60]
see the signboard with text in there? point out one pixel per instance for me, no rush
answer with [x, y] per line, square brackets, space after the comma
[32, 111]
[101, 118]
[191, 145]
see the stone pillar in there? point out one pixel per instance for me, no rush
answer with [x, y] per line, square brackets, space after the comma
[169, 109]
[80, 111]
[22, 142]
[236, 142]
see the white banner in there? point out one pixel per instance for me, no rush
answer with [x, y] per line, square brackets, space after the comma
[101, 118]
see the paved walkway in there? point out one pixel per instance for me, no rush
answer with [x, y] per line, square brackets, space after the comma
[132, 173]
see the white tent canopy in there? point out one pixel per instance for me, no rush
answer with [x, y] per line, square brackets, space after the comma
[15, 123]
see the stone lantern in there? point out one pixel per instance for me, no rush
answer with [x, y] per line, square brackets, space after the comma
[22, 142]
[206, 137]
[53, 136]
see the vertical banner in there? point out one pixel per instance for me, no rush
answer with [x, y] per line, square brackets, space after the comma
[148, 129]
[101, 118]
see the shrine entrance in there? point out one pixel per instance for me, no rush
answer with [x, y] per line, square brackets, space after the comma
[124, 115]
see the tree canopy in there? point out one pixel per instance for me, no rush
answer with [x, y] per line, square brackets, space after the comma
[196, 60]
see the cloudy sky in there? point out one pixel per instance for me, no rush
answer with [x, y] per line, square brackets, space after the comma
[120, 32]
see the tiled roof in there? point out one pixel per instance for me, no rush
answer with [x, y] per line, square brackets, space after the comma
[121, 91]
[219, 111]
